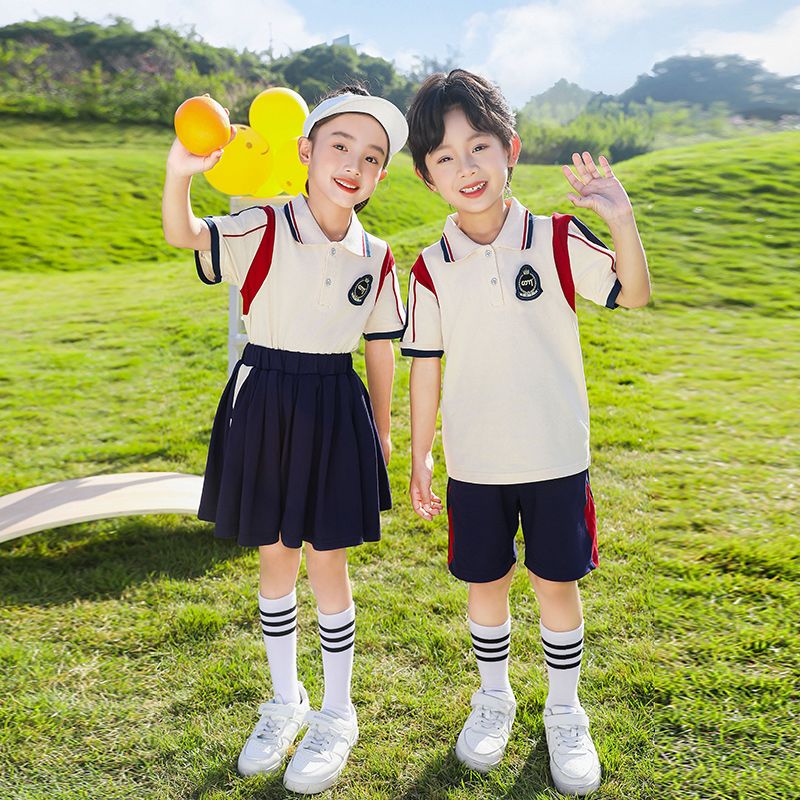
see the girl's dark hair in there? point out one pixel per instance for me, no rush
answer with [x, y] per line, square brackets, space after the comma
[482, 102]
[351, 88]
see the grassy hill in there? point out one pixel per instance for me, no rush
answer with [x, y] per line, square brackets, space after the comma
[131, 662]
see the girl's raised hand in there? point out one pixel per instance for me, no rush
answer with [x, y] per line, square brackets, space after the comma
[599, 191]
[182, 163]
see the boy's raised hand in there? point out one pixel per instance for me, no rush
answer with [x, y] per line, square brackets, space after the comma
[599, 191]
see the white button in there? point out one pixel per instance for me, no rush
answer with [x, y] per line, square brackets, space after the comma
[488, 253]
[494, 281]
[333, 251]
[328, 281]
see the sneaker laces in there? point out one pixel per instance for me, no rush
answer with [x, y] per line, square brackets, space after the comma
[568, 737]
[490, 718]
[320, 734]
[271, 723]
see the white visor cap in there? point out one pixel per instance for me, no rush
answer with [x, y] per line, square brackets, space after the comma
[388, 114]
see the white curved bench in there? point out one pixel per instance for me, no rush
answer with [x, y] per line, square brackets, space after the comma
[99, 497]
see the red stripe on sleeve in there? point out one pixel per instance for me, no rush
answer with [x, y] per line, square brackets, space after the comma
[386, 267]
[561, 256]
[262, 261]
[420, 272]
[594, 247]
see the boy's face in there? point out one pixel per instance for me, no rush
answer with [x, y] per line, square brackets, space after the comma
[470, 168]
[345, 159]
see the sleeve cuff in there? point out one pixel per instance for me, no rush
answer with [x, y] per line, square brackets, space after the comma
[214, 255]
[421, 353]
[388, 335]
[611, 301]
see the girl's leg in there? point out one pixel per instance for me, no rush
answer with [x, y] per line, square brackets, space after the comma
[490, 627]
[562, 637]
[277, 603]
[327, 572]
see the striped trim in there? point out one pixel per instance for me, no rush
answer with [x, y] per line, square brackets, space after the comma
[278, 623]
[288, 211]
[561, 256]
[365, 248]
[273, 634]
[326, 640]
[562, 646]
[527, 230]
[277, 613]
[490, 641]
[501, 645]
[261, 263]
[556, 660]
[272, 621]
[447, 251]
[588, 234]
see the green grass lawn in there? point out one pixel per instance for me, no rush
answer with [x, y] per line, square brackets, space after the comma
[130, 657]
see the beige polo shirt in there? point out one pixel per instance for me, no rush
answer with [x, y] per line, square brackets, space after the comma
[301, 291]
[514, 403]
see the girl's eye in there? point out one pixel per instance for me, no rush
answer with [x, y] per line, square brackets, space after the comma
[480, 147]
[372, 159]
[339, 146]
[443, 159]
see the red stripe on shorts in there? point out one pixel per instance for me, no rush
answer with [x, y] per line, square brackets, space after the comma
[591, 522]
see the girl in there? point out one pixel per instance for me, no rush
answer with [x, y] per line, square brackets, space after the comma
[297, 454]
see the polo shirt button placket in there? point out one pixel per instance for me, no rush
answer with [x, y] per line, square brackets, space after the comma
[495, 288]
[327, 283]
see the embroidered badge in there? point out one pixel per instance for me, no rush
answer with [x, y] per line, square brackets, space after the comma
[359, 290]
[528, 283]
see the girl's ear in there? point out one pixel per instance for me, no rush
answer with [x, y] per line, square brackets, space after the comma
[304, 147]
[422, 178]
[514, 151]
[383, 174]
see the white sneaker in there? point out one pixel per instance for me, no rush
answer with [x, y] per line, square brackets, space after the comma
[483, 739]
[276, 729]
[573, 760]
[322, 754]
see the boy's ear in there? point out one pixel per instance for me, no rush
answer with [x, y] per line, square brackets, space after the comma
[422, 178]
[304, 146]
[515, 149]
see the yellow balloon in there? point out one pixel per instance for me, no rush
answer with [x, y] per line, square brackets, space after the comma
[270, 188]
[288, 171]
[246, 163]
[278, 114]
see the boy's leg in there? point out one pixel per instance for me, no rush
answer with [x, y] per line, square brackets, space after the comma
[282, 717]
[483, 520]
[322, 754]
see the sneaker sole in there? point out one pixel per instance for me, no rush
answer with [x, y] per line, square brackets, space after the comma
[579, 790]
[315, 787]
[248, 771]
[469, 761]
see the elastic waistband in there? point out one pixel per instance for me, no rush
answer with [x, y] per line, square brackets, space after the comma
[255, 355]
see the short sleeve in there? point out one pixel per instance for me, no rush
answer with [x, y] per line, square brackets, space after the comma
[235, 241]
[423, 333]
[388, 317]
[593, 266]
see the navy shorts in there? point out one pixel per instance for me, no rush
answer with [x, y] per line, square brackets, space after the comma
[558, 525]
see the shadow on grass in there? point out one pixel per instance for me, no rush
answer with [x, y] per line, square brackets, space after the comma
[102, 560]
[445, 772]
[228, 780]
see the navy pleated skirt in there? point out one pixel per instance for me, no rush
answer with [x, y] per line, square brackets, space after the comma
[295, 454]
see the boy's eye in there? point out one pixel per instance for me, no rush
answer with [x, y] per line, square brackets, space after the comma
[443, 159]
[480, 147]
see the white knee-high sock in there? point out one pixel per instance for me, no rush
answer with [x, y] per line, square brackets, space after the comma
[562, 653]
[491, 645]
[279, 627]
[337, 634]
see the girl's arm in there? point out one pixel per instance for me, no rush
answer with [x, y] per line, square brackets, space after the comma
[425, 386]
[379, 358]
[181, 227]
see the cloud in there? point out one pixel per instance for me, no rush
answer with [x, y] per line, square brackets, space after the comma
[249, 24]
[527, 48]
[776, 47]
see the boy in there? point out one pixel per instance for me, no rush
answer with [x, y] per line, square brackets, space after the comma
[496, 294]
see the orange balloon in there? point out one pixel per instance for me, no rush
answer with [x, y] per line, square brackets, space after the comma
[202, 125]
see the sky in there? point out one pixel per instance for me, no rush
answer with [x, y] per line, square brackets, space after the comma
[602, 45]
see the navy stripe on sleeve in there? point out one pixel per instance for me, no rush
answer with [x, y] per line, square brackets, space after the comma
[611, 302]
[588, 234]
[388, 335]
[422, 353]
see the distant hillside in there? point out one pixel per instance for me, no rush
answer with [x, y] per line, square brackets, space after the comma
[561, 103]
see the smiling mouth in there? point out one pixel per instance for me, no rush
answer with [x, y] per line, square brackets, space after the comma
[346, 185]
[474, 189]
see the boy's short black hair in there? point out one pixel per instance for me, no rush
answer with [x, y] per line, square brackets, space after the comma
[351, 88]
[480, 99]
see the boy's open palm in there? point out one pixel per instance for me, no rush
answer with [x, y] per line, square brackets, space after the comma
[599, 191]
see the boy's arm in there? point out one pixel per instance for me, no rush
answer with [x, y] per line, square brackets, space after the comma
[379, 359]
[605, 195]
[181, 227]
[425, 386]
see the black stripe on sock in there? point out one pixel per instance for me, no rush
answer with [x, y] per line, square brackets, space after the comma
[336, 649]
[563, 666]
[491, 649]
[338, 630]
[561, 646]
[499, 658]
[491, 641]
[278, 624]
[335, 641]
[279, 633]
[563, 656]
[277, 613]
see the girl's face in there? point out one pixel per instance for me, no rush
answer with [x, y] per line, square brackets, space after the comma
[345, 158]
[470, 168]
